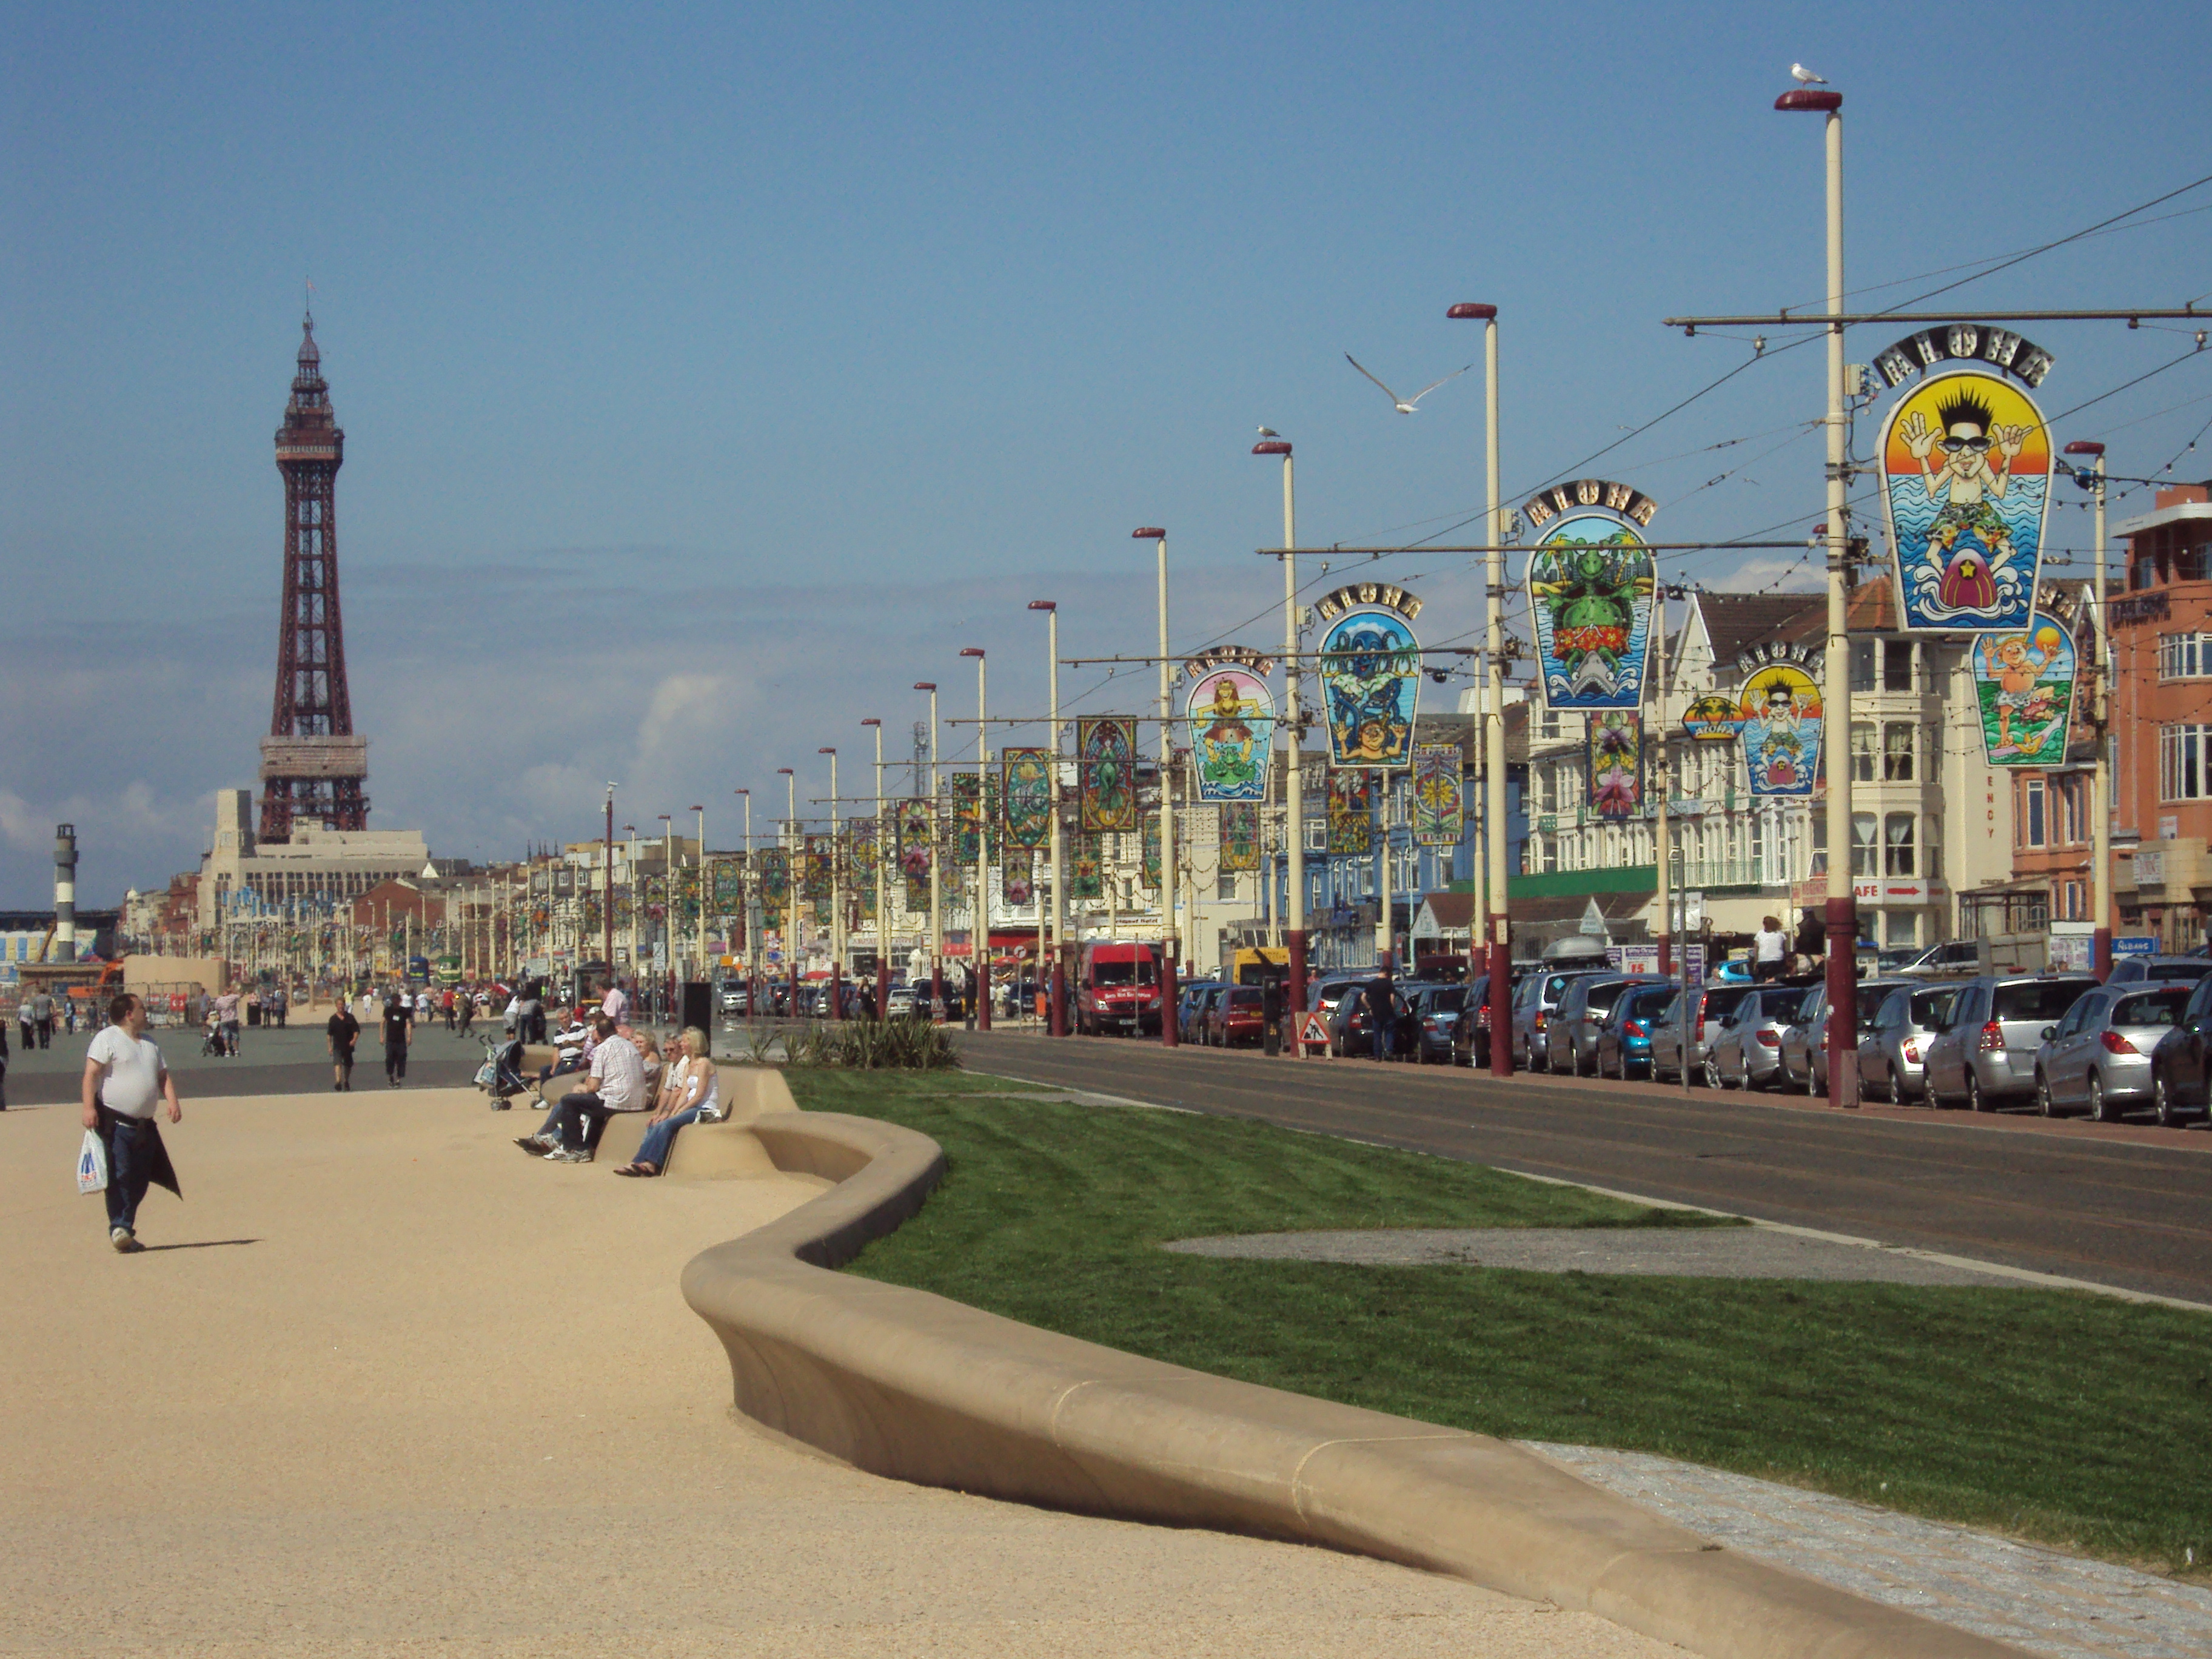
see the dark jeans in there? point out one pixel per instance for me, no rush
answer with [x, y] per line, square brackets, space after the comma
[128, 1143]
[395, 1061]
[582, 1119]
[45, 1032]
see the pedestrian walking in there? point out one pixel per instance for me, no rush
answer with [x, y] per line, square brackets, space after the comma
[3, 1064]
[226, 1019]
[280, 1004]
[1770, 951]
[399, 1023]
[42, 1016]
[26, 1024]
[125, 1080]
[344, 1030]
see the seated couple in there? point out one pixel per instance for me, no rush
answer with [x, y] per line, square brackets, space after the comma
[621, 1080]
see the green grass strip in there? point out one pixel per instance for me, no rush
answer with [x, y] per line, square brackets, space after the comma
[2072, 1418]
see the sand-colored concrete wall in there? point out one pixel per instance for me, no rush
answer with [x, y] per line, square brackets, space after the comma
[918, 1388]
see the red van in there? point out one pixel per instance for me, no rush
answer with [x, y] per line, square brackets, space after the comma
[1117, 988]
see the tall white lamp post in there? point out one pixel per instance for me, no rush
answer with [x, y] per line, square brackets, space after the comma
[1169, 1035]
[1055, 985]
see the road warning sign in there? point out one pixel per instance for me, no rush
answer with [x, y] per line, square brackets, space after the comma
[1313, 1032]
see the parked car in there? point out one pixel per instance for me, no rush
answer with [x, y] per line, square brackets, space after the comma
[2181, 1063]
[1624, 1039]
[1678, 1041]
[737, 997]
[1894, 1045]
[900, 1005]
[1435, 1009]
[1570, 1041]
[1805, 1043]
[1323, 994]
[2098, 1058]
[1350, 1029]
[1117, 988]
[1745, 1050]
[1235, 1015]
[1986, 1050]
[2139, 970]
[1731, 973]
[1951, 958]
[1470, 1041]
[1535, 999]
[1190, 1008]
[956, 1006]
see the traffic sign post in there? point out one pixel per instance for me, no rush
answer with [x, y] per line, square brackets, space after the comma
[1313, 1032]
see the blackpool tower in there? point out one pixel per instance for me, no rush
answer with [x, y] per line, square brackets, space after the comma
[313, 770]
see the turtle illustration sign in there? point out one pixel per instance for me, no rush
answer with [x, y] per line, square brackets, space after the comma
[1965, 473]
[1371, 675]
[1232, 720]
[1591, 582]
[2024, 680]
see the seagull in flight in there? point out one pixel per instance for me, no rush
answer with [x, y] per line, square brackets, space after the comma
[1405, 405]
[1805, 77]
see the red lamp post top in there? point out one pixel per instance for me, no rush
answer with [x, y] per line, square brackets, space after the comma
[783, 771]
[2085, 446]
[971, 650]
[1150, 532]
[825, 751]
[696, 807]
[925, 685]
[1817, 99]
[1470, 311]
[1044, 605]
[871, 722]
[1272, 446]
[741, 792]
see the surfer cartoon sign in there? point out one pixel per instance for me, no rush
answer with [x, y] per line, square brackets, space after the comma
[1966, 464]
[2025, 682]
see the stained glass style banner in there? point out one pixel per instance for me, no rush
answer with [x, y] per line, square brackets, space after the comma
[1086, 877]
[1026, 791]
[1615, 743]
[1350, 812]
[1017, 883]
[1151, 875]
[914, 841]
[1439, 800]
[1232, 721]
[1106, 763]
[967, 817]
[818, 870]
[1240, 836]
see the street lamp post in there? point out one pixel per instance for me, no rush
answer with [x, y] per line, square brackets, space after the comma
[668, 904]
[883, 907]
[1841, 922]
[980, 935]
[748, 913]
[1055, 984]
[1294, 834]
[706, 894]
[607, 881]
[2100, 816]
[1496, 925]
[1169, 1035]
[791, 888]
[836, 899]
[936, 860]
[636, 900]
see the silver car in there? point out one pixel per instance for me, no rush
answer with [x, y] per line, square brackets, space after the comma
[1953, 958]
[1701, 1008]
[2139, 970]
[2098, 1058]
[1571, 1038]
[1895, 1043]
[1985, 1051]
[1805, 1042]
[1534, 1001]
[1746, 1051]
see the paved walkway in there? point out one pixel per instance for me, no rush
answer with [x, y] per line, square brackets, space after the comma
[382, 1385]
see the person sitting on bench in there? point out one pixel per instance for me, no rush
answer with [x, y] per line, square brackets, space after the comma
[691, 1094]
[572, 1130]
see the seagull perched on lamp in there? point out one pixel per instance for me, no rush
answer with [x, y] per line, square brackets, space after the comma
[1405, 405]
[1805, 77]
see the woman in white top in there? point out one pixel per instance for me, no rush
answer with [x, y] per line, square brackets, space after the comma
[693, 1094]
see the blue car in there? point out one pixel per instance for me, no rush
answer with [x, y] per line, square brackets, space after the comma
[1624, 1041]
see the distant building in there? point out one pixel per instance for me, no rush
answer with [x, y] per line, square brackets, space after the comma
[315, 870]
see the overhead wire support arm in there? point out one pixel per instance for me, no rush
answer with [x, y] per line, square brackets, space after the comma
[1506, 547]
[2129, 315]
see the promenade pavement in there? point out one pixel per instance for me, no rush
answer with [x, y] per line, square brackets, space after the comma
[382, 1385]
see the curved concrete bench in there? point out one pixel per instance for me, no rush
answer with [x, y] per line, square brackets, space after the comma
[918, 1388]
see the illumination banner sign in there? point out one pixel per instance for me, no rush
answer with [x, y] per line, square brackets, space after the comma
[1714, 719]
[1150, 864]
[817, 876]
[863, 853]
[1439, 804]
[775, 878]
[1232, 721]
[967, 817]
[1106, 773]
[1351, 812]
[1017, 882]
[1370, 674]
[1240, 836]
[1965, 460]
[1615, 741]
[2025, 682]
[1591, 587]
[1781, 711]
[1086, 877]
[1026, 790]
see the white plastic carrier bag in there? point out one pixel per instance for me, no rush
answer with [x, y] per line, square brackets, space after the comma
[92, 1164]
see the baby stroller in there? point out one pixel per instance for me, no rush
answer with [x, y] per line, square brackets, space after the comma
[501, 1075]
[212, 1039]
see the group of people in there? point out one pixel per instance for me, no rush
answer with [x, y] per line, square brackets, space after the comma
[40, 1014]
[625, 1073]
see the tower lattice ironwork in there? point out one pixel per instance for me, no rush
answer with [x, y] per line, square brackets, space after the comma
[314, 769]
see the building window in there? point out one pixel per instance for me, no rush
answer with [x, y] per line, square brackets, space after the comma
[1862, 752]
[1935, 747]
[1819, 851]
[2142, 571]
[1865, 854]
[2030, 829]
[2066, 808]
[1862, 665]
[1931, 848]
[2184, 656]
[2181, 751]
[1224, 885]
[1900, 929]
[1547, 853]
[1897, 752]
[1897, 664]
[1897, 844]
[2193, 564]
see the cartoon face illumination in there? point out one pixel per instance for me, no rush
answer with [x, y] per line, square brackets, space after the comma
[1781, 730]
[1966, 464]
[2024, 685]
[1231, 716]
[1371, 675]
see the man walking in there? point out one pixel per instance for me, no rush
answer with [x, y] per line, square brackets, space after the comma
[398, 1022]
[42, 1014]
[225, 1019]
[123, 1078]
[344, 1031]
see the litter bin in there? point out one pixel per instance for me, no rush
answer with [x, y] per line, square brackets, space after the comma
[253, 1013]
[1271, 1017]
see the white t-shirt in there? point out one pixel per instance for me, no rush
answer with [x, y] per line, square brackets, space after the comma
[133, 1082]
[1770, 945]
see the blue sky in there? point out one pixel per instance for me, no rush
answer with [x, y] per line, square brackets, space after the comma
[708, 378]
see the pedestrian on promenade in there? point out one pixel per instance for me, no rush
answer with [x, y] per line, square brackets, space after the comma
[225, 1019]
[26, 1022]
[42, 1014]
[618, 1084]
[1381, 1018]
[344, 1031]
[279, 1004]
[3, 1064]
[612, 1003]
[1770, 951]
[398, 1021]
[124, 1078]
[466, 1004]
